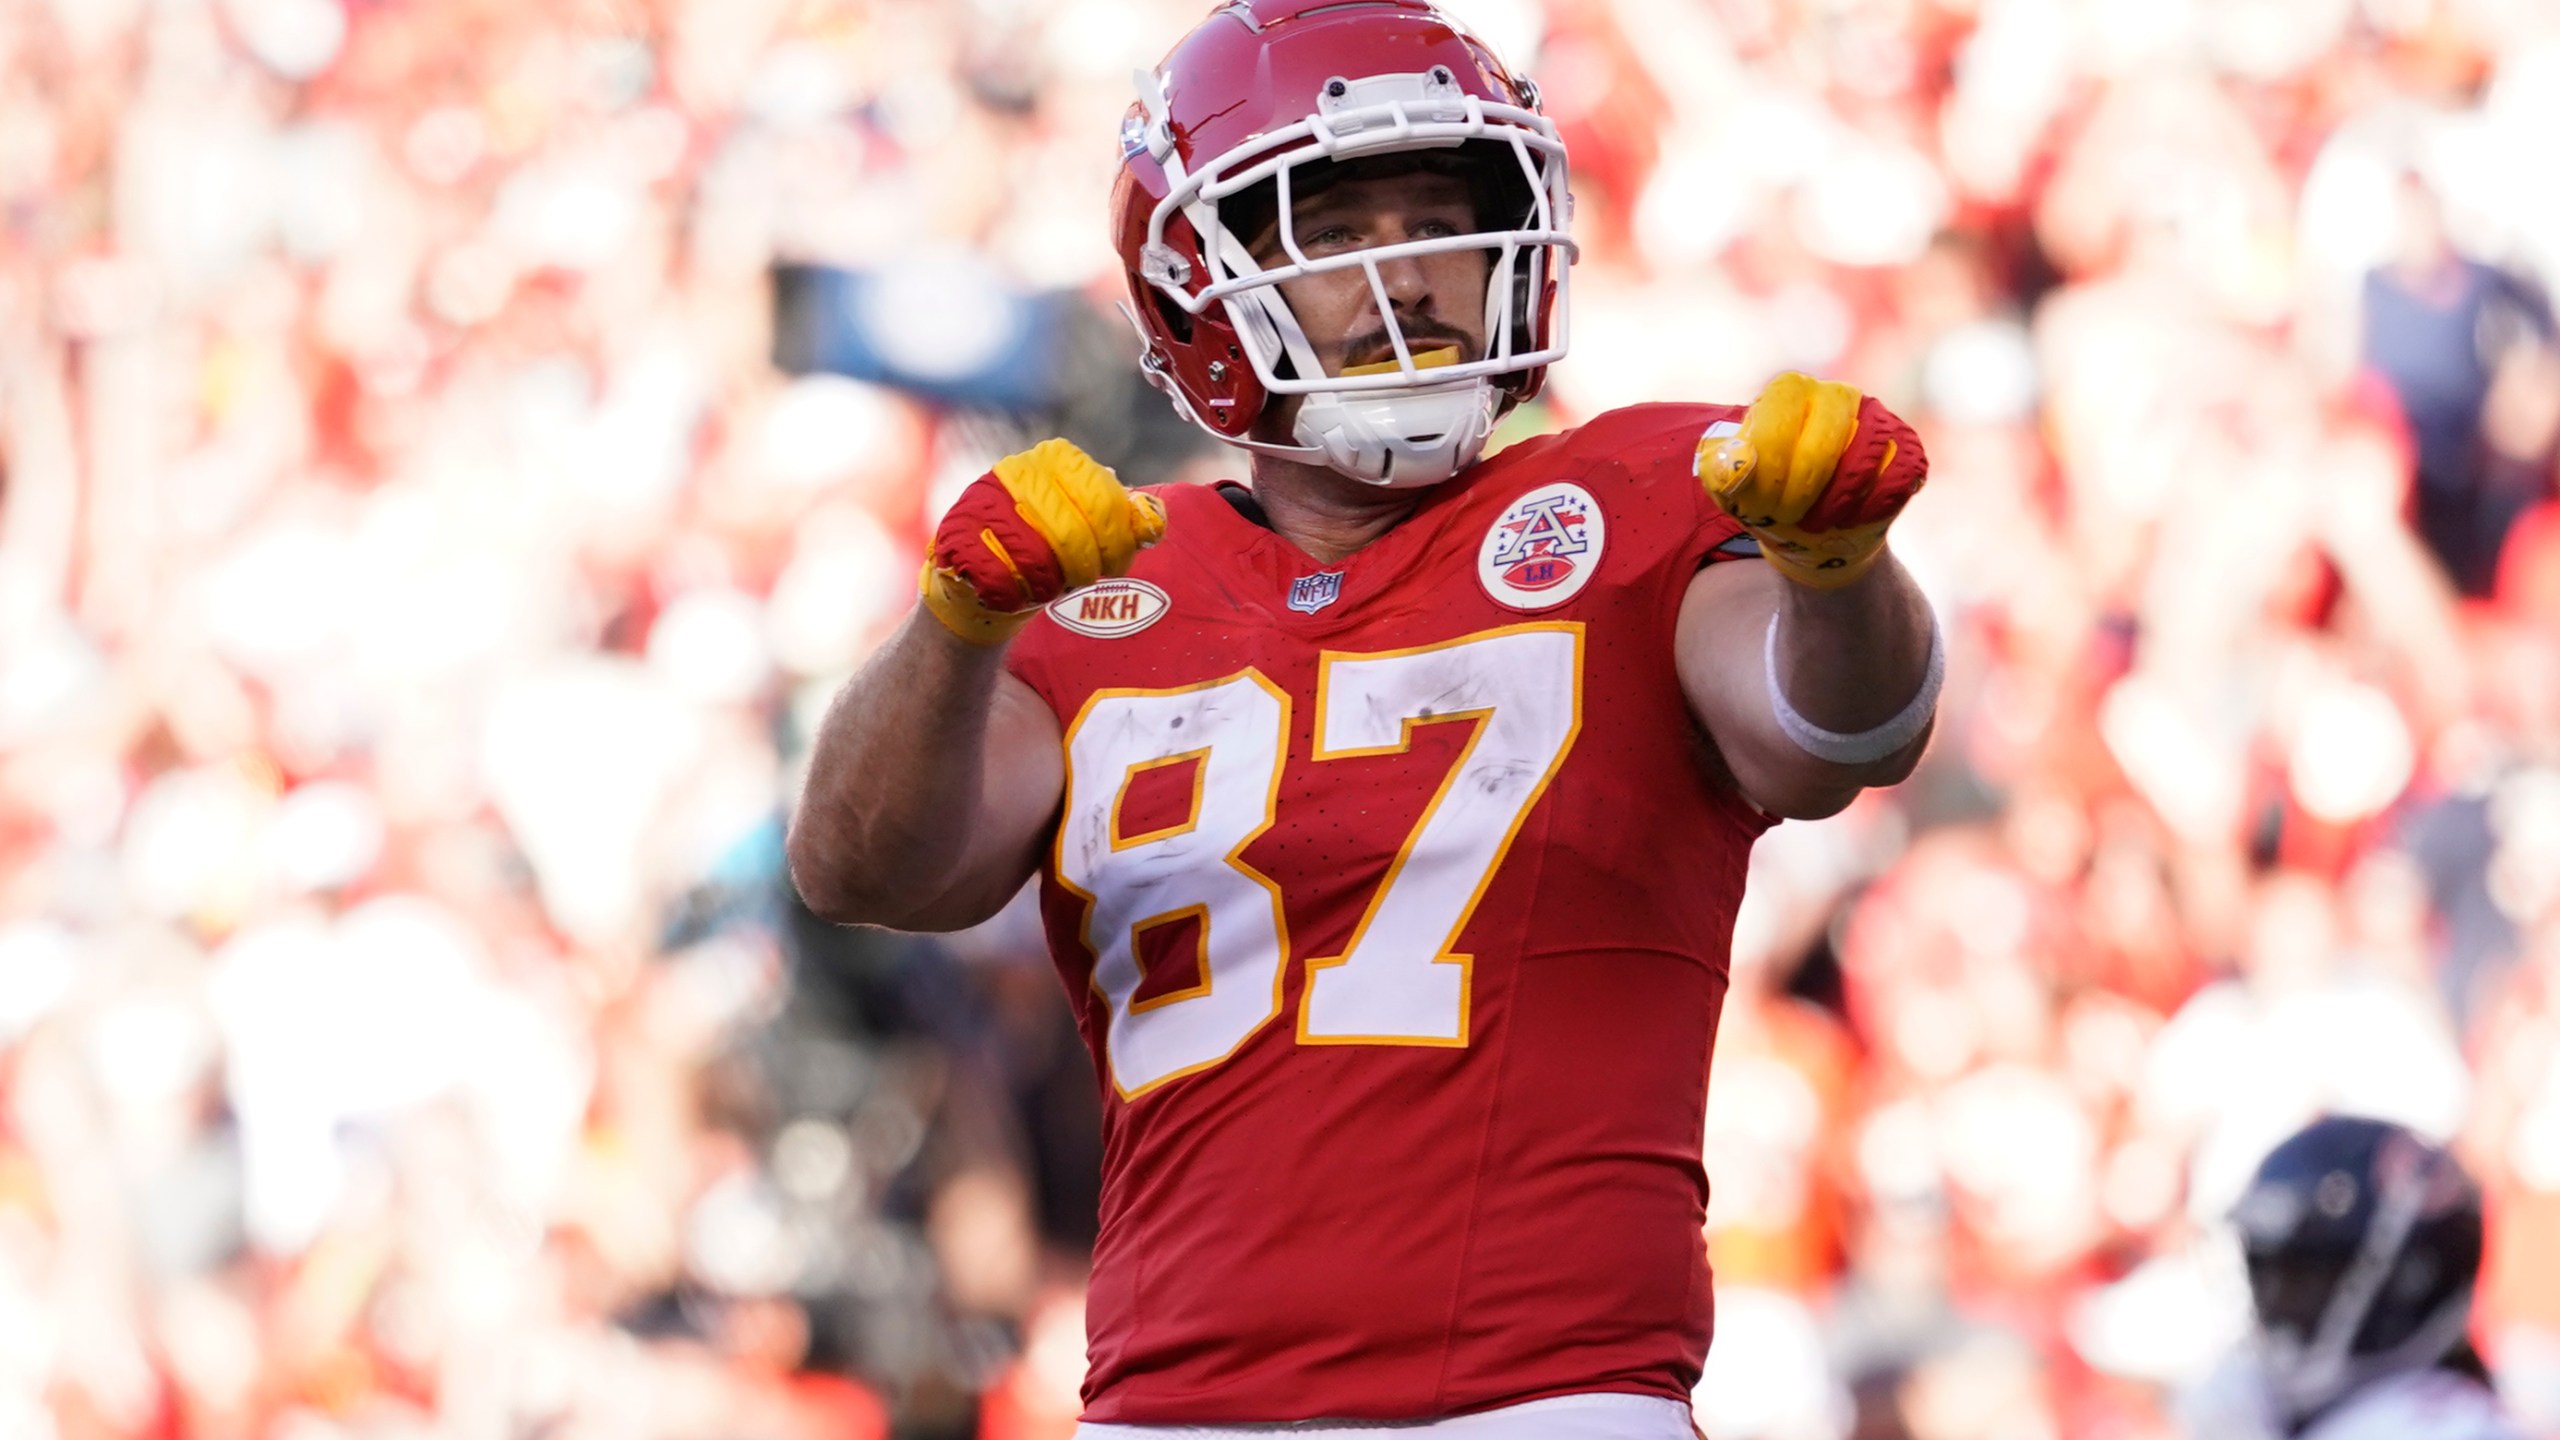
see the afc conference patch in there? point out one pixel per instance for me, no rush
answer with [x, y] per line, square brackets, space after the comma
[1542, 550]
[1311, 593]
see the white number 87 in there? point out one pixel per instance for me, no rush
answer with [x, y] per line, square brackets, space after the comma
[1519, 689]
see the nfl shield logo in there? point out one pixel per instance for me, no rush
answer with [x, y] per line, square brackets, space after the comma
[1311, 593]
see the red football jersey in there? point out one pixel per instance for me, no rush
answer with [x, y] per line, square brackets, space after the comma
[1394, 896]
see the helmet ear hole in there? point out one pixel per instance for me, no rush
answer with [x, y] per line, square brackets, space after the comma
[1177, 321]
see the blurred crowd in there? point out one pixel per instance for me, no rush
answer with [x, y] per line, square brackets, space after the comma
[453, 448]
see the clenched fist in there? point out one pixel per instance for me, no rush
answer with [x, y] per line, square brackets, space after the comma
[1816, 473]
[1041, 524]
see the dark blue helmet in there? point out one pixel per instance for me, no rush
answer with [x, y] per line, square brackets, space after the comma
[2363, 1242]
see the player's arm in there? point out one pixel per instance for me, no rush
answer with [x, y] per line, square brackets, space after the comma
[931, 787]
[1814, 671]
[1848, 661]
[936, 774]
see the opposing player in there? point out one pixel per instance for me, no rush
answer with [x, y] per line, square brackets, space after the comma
[2363, 1243]
[1390, 813]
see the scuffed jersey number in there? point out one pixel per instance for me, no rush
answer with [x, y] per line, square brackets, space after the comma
[1518, 689]
[1238, 729]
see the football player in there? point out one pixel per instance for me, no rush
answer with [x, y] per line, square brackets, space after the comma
[1390, 813]
[2363, 1243]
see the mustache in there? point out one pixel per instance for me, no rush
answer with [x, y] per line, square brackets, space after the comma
[1376, 346]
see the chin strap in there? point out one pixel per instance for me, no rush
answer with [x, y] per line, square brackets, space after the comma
[1400, 439]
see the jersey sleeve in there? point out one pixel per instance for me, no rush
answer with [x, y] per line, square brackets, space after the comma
[1716, 536]
[1675, 528]
[1028, 658]
[1644, 465]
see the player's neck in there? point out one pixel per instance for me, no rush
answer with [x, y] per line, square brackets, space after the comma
[1326, 514]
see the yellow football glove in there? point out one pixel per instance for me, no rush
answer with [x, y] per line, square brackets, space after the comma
[1817, 474]
[1039, 525]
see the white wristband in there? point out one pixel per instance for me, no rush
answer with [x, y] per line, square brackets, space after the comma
[1866, 746]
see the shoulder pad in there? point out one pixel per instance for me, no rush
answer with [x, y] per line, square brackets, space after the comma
[1639, 434]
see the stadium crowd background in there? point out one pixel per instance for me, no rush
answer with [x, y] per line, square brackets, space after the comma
[417, 582]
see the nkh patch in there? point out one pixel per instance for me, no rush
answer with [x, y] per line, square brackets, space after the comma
[1543, 548]
[1112, 608]
[1311, 593]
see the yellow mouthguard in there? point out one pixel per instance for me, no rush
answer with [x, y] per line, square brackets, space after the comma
[1426, 360]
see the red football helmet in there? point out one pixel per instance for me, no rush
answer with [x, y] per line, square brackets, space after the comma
[1264, 87]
